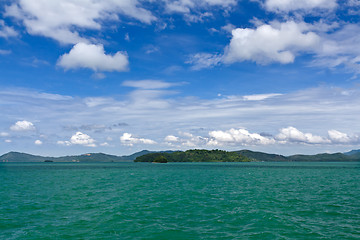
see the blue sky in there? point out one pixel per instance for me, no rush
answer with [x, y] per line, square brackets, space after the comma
[119, 76]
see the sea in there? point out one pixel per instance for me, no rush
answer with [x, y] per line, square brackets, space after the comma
[180, 201]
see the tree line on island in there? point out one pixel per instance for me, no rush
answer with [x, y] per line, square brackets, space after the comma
[195, 155]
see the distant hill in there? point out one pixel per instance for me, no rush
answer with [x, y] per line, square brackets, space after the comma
[23, 157]
[88, 157]
[324, 157]
[353, 152]
[133, 156]
[262, 157]
[91, 157]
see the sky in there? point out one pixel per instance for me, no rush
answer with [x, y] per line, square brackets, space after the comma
[120, 76]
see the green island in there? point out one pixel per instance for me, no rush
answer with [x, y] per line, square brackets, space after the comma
[195, 155]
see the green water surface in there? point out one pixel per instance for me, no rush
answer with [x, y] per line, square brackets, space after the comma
[180, 201]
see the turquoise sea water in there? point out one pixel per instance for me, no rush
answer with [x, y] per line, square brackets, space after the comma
[180, 201]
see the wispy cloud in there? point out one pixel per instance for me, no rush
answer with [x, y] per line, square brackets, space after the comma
[6, 31]
[229, 121]
[293, 5]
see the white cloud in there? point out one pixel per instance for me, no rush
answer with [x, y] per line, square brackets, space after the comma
[127, 37]
[228, 27]
[82, 139]
[6, 31]
[8, 141]
[291, 5]
[93, 56]
[339, 137]
[148, 84]
[65, 143]
[186, 6]
[38, 142]
[190, 140]
[4, 134]
[291, 134]
[204, 60]
[22, 126]
[187, 140]
[171, 138]
[62, 19]
[79, 138]
[4, 52]
[278, 42]
[304, 109]
[128, 140]
[197, 11]
[353, 3]
[237, 136]
[340, 47]
[259, 97]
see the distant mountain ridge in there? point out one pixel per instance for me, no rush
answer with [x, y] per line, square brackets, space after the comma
[245, 155]
[88, 157]
[353, 152]
[322, 157]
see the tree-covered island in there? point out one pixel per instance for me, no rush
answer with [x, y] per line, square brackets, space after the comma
[195, 155]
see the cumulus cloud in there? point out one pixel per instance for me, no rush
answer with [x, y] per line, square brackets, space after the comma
[38, 142]
[22, 126]
[62, 19]
[171, 138]
[277, 42]
[93, 56]
[82, 139]
[291, 134]
[237, 136]
[291, 5]
[128, 140]
[6, 31]
[186, 140]
[79, 138]
[242, 137]
[332, 45]
[342, 138]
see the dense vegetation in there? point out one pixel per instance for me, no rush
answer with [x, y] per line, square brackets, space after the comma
[195, 156]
